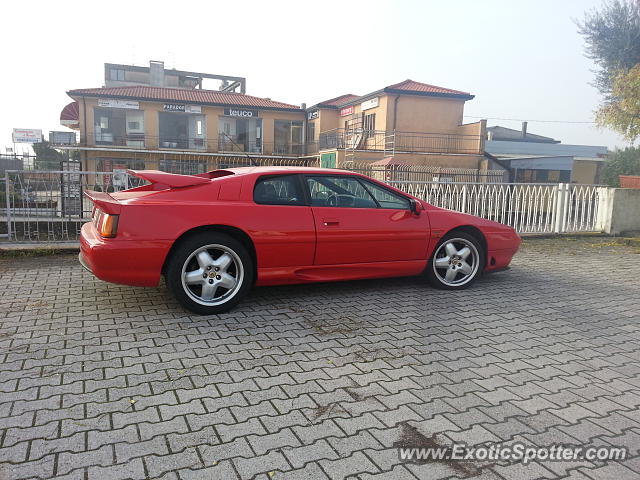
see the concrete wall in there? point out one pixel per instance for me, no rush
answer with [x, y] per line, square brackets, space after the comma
[619, 210]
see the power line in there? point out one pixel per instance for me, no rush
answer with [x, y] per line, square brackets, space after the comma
[527, 120]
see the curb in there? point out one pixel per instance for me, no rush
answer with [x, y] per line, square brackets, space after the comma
[37, 249]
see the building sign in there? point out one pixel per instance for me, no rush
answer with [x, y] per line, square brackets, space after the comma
[27, 135]
[113, 103]
[313, 115]
[176, 107]
[239, 112]
[346, 111]
[373, 103]
[62, 138]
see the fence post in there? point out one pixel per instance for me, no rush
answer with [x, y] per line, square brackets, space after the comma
[8, 200]
[605, 209]
[464, 199]
[561, 207]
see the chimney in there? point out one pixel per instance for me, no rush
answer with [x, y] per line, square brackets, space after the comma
[524, 129]
[303, 106]
[156, 73]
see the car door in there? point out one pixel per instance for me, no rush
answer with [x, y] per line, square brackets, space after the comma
[281, 225]
[360, 221]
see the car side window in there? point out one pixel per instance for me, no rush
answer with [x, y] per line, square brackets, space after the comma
[387, 198]
[339, 191]
[278, 190]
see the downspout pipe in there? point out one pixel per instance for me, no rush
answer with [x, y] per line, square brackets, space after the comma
[395, 111]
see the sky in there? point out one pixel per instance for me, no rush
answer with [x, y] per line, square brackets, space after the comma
[522, 60]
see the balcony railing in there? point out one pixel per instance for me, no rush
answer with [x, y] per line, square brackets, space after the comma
[222, 144]
[413, 142]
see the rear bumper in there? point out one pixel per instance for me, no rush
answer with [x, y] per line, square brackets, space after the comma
[124, 261]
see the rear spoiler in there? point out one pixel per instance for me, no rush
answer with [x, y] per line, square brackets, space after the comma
[171, 180]
[104, 201]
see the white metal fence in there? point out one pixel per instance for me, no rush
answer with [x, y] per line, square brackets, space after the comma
[49, 206]
[527, 207]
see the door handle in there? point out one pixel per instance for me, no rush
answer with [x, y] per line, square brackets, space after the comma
[330, 222]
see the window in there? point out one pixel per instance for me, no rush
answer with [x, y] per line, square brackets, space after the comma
[117, 126]
[339, 191]
[240, 134]
[542, 176]
[387, 198]
[311, 132]
[182, 130]
[117, 74]
[288, 137]
[369, 123]
[278, 190]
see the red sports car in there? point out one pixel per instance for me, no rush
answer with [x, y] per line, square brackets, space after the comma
[217, 234]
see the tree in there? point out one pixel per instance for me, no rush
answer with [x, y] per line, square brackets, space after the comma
[622, 162]
[612, 36]
[47, 158]
[622, 112]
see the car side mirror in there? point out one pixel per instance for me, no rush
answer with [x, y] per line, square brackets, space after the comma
[415, 206]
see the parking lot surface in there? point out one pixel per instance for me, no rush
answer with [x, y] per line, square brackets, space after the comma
[101, 381]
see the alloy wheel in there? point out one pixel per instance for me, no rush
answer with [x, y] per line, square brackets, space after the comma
[456, 262]
[212, 275]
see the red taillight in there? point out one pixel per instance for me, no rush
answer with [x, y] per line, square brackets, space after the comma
[105, 223]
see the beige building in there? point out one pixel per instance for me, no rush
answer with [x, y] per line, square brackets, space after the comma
[156, 118]
[408, 123]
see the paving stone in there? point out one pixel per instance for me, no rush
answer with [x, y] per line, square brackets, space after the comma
[157, 465]
[546, 353]
[102, 456]
[219, 471]
[133, 470]
[127, 451]
[271, 462]
[343, 467]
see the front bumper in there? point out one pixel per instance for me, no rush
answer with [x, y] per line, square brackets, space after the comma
[502, 247]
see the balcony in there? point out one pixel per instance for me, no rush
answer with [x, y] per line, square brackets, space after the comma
[222, 144]
[400, 142]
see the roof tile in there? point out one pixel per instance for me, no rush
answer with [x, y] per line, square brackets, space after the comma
[413, 86]
[182, 95]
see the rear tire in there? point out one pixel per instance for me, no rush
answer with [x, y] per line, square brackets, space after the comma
[457, 261]
[209, 273]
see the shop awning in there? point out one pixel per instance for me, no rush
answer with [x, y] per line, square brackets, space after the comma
[70, 116]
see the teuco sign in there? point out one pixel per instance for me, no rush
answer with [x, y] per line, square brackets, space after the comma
[27, 135]
[239, 112]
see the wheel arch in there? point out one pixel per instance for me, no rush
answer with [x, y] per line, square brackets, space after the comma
[477, 234]
[234, 232]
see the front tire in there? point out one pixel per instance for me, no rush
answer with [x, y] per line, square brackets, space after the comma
[457, 261]
[209, 273]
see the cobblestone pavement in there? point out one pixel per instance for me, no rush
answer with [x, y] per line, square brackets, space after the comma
[101, 381]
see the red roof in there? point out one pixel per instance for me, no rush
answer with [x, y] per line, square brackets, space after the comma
[342, 99]
[408, 86]
[413, 86]
[212, 97]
